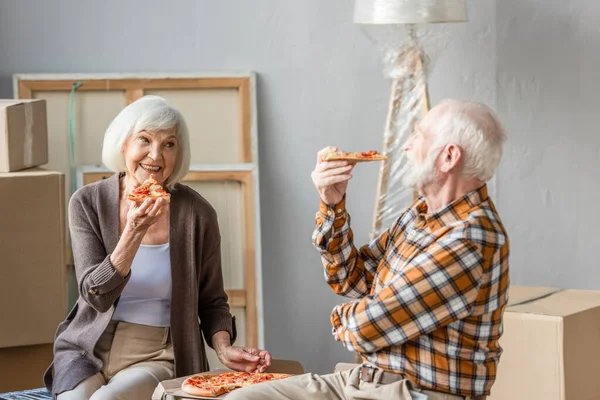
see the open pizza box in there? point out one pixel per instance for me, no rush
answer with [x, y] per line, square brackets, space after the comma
[171, 389]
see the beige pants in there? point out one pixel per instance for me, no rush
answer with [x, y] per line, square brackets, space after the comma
[344, 385]
[135, 359]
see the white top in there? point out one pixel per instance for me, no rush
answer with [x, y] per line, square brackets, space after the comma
[146, 299]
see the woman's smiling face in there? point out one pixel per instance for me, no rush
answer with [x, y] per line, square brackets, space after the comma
[150, 153]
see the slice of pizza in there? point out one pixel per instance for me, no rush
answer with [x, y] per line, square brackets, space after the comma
[205, 386]
[363, 156]
[268, 376]
[214, 385]
[148, 189]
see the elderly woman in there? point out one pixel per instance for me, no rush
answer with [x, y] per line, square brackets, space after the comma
[149, 274]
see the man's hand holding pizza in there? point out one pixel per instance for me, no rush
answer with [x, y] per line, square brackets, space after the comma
[331, 177]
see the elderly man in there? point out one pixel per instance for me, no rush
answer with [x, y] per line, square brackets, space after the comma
[431, 290]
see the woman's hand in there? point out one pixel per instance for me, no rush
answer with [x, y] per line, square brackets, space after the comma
[244, 359]
[142, 215]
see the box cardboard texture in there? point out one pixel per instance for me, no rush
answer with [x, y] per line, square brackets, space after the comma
[23, 134]
[22, 368]
[551, 345]
[32, 262]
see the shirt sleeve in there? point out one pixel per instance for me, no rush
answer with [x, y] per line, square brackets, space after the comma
[438, 287]
[348, 271]
[99, 282]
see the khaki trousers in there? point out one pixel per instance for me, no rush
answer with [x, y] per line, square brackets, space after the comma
[135, 359]
[341, 385]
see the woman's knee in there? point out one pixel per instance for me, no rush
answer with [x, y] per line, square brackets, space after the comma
[132, 383]
[85, 389]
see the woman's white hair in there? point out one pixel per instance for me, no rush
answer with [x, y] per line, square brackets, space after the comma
[476, 129]
[151, 114]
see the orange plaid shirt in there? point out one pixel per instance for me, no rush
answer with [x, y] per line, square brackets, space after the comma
[431, 292]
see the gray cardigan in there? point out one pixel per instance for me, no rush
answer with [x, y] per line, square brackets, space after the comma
[198, 293]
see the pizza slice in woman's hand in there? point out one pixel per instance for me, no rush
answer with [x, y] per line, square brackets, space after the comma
[149, 189]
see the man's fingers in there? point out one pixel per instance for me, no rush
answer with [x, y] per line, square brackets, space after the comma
[336, 171]
[327, 165]
[321, 154]
[334, 180]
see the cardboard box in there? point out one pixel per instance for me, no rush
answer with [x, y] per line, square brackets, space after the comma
[23, 134]
[551, 345]
[171, 389]
[33, 298]
[22, 368]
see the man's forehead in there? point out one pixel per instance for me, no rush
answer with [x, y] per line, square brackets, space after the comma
[433, 116]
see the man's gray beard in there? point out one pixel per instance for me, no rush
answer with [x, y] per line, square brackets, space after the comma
[419, 175]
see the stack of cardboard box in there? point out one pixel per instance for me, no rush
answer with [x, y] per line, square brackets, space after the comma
[33, 272]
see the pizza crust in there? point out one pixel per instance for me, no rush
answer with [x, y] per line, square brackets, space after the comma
[277, 376]
[357, 157]
[194, 390]
[200, 392]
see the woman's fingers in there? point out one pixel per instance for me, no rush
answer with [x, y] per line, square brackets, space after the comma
[157, 208]
[266, 355]
[144, 207]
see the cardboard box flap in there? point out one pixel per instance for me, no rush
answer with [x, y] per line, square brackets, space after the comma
[286, 367]
[524, 294]
[559, 303]
[5, 103]
[29, 172]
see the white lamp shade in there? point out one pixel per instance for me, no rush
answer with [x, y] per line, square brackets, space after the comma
[409, 11]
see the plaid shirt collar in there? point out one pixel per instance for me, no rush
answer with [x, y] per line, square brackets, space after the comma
[454, 211]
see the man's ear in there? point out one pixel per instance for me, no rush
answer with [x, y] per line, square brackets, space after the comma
[451, 157]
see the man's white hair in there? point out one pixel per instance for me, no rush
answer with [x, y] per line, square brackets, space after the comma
[150, 114]
[476, 129]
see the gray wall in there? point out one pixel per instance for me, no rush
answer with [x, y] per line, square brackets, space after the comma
[321, 82]
[549, 184]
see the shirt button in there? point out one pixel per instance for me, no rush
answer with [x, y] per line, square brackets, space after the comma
[339, 211]
[330, 213]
